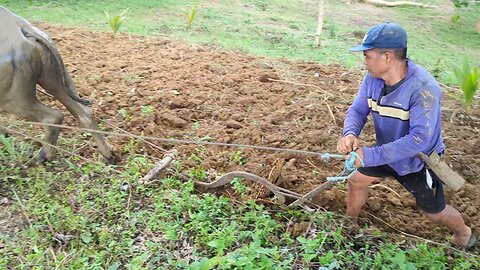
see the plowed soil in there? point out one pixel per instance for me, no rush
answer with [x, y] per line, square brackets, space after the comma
[201, 92]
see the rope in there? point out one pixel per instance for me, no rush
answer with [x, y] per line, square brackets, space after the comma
[174, 141]
[348, 170]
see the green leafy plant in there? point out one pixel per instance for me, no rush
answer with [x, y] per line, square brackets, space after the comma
[123, 112]
[132, 146]
[115, 21]
[9, 146]
[196, 125]
[438, 69]
[203, 264]
[468, 79]
[332, 31]
[460, 3]
[261, 4]
[239, 158]
[206, 138]
[13, 149]
[239, 186]
[198, 154]
[309, 247]
[147, 110]
[455, 19]
[191, 16]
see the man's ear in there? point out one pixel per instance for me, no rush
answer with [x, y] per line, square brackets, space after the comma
[388, 56]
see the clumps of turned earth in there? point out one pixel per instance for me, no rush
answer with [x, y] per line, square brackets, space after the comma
[161, 88]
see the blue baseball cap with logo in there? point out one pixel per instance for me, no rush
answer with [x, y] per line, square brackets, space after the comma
[386, 35]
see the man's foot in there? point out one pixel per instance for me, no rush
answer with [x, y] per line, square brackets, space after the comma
[472, 243]
[466, 241]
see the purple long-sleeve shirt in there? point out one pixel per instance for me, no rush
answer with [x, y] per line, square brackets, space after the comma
[407, 121]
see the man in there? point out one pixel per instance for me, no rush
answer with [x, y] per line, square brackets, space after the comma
[404, 100]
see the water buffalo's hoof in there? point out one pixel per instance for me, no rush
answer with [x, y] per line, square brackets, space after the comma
[42, 156]
[114, 158]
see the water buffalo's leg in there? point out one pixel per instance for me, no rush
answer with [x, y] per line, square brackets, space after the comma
[36, 111]
[20, 98]
[54, 86]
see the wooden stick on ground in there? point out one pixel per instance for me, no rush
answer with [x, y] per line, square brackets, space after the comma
[381, 3]
[312, 193]
[167, 159]
[279, 192]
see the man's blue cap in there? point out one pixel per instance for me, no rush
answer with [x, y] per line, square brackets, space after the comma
[386, 35]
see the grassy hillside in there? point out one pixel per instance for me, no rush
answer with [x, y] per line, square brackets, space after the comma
[281, 28]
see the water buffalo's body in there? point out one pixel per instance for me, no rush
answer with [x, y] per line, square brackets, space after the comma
[27, 58]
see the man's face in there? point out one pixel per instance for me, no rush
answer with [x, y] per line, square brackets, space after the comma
[375, 62]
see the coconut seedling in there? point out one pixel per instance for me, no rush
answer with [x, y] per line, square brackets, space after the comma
[191, 16]
[115, 21]
[468, 79]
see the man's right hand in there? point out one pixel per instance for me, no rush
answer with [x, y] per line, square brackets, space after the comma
[347, 144]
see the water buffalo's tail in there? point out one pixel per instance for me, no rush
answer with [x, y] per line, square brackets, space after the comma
[32, 31]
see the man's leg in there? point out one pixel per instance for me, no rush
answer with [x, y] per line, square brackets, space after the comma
[453, 220]
[357, 195]
[430, 198]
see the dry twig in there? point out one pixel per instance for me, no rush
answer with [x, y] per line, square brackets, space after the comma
[167, 159]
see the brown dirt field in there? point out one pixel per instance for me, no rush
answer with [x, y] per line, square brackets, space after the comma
[227, 96]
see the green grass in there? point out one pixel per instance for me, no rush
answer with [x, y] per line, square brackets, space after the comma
[70, 215]
[279, 28]
[435, 38]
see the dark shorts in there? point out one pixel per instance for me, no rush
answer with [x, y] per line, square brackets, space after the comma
[429, 199]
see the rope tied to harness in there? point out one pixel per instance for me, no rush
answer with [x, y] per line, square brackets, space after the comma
[349, 169]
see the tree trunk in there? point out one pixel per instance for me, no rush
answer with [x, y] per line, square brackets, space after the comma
[321, 14]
